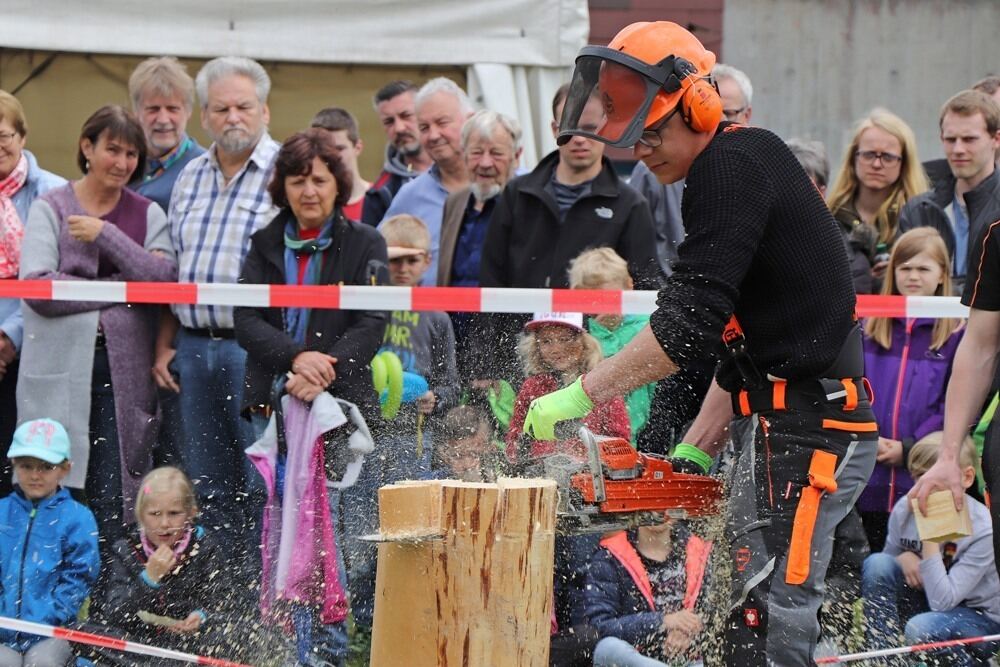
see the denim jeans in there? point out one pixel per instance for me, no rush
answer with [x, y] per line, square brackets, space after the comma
[614, 652]
[317, 644]
[957, 623]
[230, 491]
[889, 603]
[395, 458]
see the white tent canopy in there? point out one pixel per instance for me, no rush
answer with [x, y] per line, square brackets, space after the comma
[517, 51]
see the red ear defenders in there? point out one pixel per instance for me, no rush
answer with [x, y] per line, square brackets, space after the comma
[701, 105]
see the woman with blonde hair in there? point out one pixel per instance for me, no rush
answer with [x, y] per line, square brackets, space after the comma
[908, 362]
[880, 172]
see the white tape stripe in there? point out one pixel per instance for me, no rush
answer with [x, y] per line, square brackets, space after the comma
[935, 306]
[638, 303]
[516, 300]
[231, 294]
[364, 297]
[85, 290]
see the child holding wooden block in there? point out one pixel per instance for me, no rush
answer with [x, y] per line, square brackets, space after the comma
[941, 591]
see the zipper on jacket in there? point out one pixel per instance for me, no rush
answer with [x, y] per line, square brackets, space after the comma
[24, 555]
[903, 359]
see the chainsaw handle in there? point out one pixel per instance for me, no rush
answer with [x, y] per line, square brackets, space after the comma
[594, 458]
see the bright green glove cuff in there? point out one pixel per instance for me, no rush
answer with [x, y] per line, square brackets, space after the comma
[569, 402]
[689, 452]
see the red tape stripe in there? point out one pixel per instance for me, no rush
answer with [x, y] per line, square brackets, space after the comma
[876, 305]
[26, 289]
[451, 299]
[186, 293]
[305, 296]
[590, 301]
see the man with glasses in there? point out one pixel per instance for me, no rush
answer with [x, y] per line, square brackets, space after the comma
[665, 199]
[762, 284]
[960, 207]
[573, 200]
[736, 92]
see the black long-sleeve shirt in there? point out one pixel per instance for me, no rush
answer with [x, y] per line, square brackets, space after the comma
[761, 244]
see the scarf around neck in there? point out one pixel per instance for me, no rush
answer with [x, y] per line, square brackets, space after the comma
[296, 319]
[11, 225]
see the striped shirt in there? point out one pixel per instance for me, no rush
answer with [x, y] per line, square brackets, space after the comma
[211, 222]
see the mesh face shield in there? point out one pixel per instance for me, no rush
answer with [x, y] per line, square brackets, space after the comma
[626, 88]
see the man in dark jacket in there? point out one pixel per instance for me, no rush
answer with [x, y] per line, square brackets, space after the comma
[961, 207]
[405, 158]
[572, 201]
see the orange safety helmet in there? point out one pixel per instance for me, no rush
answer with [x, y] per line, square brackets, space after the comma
[648, 69]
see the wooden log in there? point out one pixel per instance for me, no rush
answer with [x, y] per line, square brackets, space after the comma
[942, 523]
[479, 590]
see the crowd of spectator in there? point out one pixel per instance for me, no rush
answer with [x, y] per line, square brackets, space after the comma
[133, 421]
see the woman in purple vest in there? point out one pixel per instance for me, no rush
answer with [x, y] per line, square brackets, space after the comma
[87, 364]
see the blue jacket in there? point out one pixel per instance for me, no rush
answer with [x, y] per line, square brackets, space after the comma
[48, 561]
[38, 182]
[618, 598]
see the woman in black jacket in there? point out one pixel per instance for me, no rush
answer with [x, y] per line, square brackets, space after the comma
[310, 242]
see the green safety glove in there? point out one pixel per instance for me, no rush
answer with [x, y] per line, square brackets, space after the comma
[688, 458]
[569, 402]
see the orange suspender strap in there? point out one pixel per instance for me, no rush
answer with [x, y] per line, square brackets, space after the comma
[851, 397]
[821, 480]
[744, 403]
[622, 549]
[778, 394]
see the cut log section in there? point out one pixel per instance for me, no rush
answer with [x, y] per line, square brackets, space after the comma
[465, 574]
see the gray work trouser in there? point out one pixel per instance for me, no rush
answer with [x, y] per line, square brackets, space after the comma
[781, 526]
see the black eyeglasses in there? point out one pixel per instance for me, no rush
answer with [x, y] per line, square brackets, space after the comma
[651, 138]
[869, 157]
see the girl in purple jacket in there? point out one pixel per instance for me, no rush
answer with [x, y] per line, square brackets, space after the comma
[908, 362]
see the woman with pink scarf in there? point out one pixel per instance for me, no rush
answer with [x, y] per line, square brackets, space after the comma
[21, 181]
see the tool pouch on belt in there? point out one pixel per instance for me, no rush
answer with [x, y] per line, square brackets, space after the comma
[822, 468]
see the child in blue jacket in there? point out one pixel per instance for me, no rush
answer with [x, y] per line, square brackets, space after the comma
[642, 588]
[48, 546]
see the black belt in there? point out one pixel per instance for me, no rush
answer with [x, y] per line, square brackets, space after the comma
[215, 334]
[801, 395]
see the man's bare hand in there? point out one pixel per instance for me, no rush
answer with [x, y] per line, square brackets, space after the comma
[945, 475]
[161, 369]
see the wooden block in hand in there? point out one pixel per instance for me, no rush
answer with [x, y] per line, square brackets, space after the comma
[942, 523]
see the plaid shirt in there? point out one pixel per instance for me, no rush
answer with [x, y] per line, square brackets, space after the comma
[211, 222]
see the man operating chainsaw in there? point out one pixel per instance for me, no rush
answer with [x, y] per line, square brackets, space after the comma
[762, 283]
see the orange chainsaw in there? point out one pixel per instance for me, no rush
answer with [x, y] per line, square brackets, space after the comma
[625, 488]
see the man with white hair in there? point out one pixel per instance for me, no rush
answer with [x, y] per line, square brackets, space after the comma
[162, 94]
[442, 109]
[736, 92]
[219, 200]
[491, 146]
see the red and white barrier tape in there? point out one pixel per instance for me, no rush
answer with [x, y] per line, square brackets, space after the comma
[104, 641]
[902, 650]
[452, 299]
